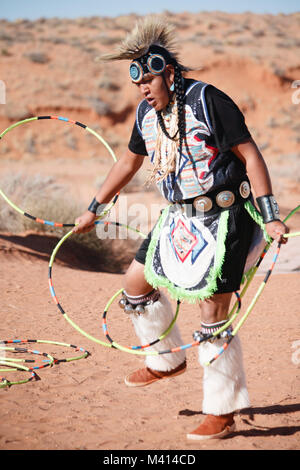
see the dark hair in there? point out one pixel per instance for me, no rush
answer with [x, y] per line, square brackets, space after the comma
[179, 92]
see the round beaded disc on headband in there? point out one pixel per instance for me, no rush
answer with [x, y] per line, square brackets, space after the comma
[155, 64]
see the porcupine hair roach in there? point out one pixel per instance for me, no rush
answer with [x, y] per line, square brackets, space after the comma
[148, 31]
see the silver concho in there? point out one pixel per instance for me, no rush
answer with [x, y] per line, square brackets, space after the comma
[202, 204]
[245, 189]
[225, 199]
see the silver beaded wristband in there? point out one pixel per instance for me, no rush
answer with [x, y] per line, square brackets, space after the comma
[268, 207]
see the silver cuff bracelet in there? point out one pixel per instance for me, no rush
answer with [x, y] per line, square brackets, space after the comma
[268, 207]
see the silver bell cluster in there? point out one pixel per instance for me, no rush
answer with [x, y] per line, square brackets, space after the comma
[129, 308]
[226, 333]
[199, 336]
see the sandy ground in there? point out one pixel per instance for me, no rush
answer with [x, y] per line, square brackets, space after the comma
[85, 404]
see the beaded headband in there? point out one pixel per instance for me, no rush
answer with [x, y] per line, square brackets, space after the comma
[154, 62]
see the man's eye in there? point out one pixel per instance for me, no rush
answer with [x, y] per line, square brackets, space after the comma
[147, 78]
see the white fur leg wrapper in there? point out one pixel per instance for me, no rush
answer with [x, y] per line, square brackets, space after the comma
[150, 325]
[224, 383]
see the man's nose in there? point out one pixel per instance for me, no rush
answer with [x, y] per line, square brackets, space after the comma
[144, 89]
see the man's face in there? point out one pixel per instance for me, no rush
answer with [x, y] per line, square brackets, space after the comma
[155, 89]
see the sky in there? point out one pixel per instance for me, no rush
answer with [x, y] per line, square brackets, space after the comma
[33, 9]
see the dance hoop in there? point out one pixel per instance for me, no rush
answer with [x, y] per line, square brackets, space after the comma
[13, 364]
[50, 280]
[63, 119]
[10, 367]
[259, 291]
[137, 349]
[13, 361]
[52, 359]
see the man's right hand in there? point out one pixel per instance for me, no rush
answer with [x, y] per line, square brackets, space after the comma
[85, 223]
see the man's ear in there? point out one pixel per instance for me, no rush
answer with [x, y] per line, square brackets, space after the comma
[169, 74]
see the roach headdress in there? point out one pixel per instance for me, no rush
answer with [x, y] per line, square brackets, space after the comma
[147, 32]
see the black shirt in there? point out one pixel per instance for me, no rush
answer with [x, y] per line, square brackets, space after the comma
[226, 119]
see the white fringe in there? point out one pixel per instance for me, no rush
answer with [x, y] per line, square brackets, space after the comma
[224, 383]
[150, 325]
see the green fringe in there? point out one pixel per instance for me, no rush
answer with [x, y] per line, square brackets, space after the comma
[256, 216]
[180, 293]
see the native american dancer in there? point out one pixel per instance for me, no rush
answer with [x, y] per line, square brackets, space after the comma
[206, 165]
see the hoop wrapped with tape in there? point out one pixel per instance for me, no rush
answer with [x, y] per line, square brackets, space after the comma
[94, 203]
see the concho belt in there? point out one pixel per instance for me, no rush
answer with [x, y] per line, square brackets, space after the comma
[221, 200]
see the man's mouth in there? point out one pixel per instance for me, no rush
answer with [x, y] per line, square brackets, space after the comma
[151, 101]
